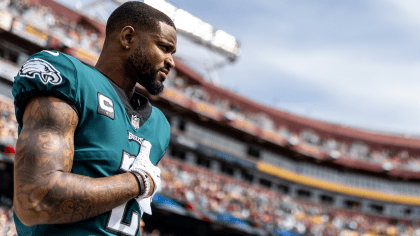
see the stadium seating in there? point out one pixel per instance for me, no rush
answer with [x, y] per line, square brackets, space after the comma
[213, 194]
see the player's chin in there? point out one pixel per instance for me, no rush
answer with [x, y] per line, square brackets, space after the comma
[156, 88]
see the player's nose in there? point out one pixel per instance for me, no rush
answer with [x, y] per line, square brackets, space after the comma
[170, 62]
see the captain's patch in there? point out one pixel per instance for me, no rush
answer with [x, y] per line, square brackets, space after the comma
[41, 68]
[105, 106]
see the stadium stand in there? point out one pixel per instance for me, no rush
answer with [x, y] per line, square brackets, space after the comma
[234, 167]
[7, 227]
[304, 139]
[211, 194]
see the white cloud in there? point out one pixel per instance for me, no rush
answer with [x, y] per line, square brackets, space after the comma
[354, 72]
[404, 13]
[408, 9]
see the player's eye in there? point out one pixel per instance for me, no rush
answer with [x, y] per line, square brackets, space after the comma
[164, 48]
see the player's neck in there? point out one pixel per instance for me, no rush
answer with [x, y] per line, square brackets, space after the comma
[113, 69]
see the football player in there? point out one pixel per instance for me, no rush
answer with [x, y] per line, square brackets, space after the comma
[88, 145]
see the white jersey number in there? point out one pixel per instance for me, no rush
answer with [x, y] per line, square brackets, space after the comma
[116, 224]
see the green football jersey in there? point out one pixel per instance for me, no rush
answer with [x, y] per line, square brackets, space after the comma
[108, 137]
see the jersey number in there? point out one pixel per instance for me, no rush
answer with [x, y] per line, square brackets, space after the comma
[115, 223]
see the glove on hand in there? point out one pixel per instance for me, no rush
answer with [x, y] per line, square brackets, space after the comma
[144, 167]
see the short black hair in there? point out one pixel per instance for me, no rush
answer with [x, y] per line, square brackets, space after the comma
[137, 14]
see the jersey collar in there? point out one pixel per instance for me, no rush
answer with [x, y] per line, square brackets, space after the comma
[138, 106]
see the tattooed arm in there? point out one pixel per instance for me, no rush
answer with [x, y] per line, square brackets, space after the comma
[44, 190]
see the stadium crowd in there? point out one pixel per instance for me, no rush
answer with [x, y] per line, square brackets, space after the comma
[7, 226]
[207, 193]
[71, 34]
[8, 124]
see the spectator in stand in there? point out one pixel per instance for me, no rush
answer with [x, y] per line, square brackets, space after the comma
[4, 4]
[142, 224]
[8, 128]
[7, 226]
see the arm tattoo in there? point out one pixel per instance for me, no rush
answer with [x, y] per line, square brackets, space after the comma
[44, 188]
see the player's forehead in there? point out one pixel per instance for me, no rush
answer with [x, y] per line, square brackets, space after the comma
[165, 33]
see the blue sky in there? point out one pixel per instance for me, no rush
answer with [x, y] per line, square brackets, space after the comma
[355, 62]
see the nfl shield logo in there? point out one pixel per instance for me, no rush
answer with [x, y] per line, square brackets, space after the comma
[135, 122]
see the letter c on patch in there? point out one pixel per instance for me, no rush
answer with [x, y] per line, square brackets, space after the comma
[105, 106]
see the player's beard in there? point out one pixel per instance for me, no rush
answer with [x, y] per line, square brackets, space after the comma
[144, 72]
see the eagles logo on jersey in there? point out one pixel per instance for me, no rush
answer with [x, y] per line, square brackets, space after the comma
[45, 71]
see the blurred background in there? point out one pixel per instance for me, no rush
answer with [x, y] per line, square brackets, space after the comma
[287, 117]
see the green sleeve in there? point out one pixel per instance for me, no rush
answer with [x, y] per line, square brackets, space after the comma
[47, 73]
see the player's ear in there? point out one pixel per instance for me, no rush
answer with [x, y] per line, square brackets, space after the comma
[126, 37]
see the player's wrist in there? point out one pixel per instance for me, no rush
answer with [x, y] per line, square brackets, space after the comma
[144, 183]
[140, 183]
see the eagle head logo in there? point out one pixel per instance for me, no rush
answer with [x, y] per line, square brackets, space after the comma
[45, 71]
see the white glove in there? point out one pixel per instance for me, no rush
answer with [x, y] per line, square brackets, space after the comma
[145, 202]
[144, 167]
